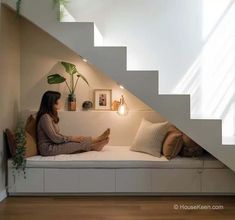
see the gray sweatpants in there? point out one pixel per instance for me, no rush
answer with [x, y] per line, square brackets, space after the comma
[47, 149]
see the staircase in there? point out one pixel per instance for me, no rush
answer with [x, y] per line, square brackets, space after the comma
[79, 37]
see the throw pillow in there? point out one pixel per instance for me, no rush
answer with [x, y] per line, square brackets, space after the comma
[30, 127]
[190, 148]
[149, 137]
[11, 141]
[31, 146]
[172, 144]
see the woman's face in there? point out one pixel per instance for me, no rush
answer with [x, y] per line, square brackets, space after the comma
[57, 105]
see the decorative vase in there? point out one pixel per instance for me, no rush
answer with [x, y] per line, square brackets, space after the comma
[115, 105]
[72, 102]
[87, 105]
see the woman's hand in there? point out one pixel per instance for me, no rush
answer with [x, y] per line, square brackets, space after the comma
[78, 139]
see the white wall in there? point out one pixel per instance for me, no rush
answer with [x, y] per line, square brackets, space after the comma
[10, 80]
[157, 32]
[191, 43]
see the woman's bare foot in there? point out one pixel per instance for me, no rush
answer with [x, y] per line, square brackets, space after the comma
[102, 136]
[99, 145]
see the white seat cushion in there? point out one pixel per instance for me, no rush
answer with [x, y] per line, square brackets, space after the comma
[210, 162]
[112, 157]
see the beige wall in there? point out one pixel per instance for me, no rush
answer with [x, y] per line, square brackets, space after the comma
[10, 78]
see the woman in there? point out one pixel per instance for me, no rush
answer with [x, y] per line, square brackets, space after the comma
[50, 142]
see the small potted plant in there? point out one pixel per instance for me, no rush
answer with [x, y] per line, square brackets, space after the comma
[56, 3]
[19, 160]
[74, 77]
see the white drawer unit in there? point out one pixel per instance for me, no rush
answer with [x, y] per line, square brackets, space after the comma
[176, 180]
[119, 171]
[133, 180]
[33, 183]
[97, 180]
[79, 180]
[218, 181]
[121, 181]
[61, 180]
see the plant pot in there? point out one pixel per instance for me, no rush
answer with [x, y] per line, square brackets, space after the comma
[72, 102]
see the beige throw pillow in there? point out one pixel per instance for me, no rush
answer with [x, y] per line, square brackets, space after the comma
[30, 146]
[30, 126]
[149, 137]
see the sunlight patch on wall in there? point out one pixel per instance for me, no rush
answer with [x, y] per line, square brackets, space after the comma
[211, 78]
[218, 67]
[212, 11]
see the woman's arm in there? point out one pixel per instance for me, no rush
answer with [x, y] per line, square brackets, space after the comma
[47, 126]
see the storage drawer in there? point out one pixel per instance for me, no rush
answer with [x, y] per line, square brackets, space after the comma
[33, 183]
[133, 180]
[96, 180]
[176, 180]
[61, 180]
[218, 181]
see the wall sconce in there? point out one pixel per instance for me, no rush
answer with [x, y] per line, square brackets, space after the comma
[84, 59]
[120, 86]
[122, 109]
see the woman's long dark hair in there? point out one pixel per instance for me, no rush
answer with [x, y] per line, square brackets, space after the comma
[49, 99]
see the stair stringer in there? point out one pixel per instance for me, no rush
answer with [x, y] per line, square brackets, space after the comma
[144, 84]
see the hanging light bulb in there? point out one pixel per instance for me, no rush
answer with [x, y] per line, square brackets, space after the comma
[122, 109]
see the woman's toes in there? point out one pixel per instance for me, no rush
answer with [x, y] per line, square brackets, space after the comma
[108, 132]
[104, 135]
[99, 146]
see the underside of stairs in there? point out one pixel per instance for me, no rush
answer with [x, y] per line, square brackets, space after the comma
[79, 37]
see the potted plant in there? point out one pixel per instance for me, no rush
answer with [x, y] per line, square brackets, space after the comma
[74, 77]
[19, 160]
[56, 3]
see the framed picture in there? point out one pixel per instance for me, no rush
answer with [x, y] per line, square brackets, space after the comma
[103, 99]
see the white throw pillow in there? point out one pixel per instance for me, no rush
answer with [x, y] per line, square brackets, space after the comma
[149, 137]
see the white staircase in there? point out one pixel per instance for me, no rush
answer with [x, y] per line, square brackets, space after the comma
[144, 84]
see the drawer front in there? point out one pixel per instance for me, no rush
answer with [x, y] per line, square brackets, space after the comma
[133, 180]
[61, 180]
[218, 181]
[176, 180]
[96, 180]
[33, 183]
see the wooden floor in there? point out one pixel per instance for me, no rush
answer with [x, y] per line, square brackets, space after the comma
[116, 208]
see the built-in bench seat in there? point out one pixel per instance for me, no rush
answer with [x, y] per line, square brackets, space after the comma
[117, 170]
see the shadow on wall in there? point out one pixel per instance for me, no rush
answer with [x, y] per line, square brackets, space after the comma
[211, 78]
[33, 94]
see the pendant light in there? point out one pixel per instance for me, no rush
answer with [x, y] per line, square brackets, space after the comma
[122, 109]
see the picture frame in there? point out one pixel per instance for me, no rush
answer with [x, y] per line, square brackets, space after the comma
[102, 99]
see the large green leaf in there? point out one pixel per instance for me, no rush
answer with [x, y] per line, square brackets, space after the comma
[55, 79]
[83, 77]
[69, 68]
